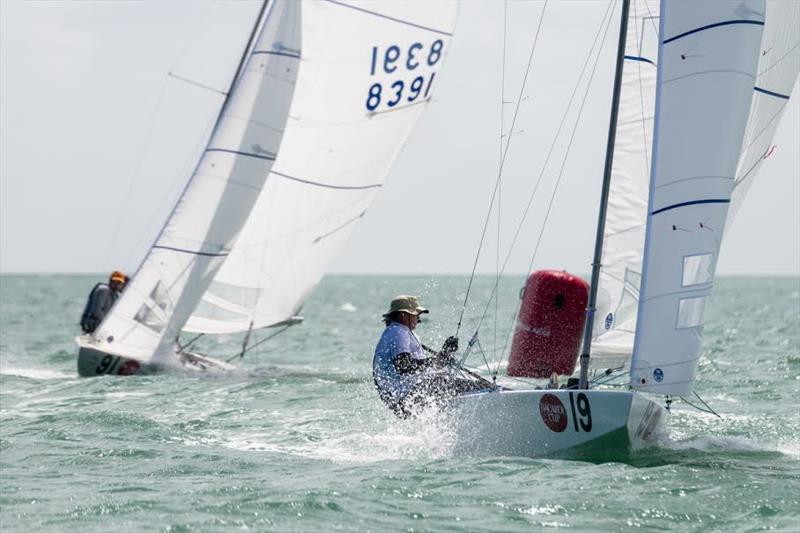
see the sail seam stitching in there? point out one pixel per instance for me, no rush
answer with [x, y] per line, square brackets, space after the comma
[704, 72]
[193, 252]
[273, 53]
[318, 184]
[269, 157]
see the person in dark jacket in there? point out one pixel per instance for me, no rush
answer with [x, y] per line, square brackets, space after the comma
[100, 301]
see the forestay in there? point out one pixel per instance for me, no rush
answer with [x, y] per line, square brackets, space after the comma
[367, 71]
[623, 244]
[708, 61]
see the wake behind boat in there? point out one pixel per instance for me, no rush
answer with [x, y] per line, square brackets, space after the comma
[324, 97]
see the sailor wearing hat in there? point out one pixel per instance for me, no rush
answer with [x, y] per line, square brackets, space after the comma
[403, 374]
[101, 299]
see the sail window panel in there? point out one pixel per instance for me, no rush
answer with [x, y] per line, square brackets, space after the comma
[698, 269]
[153, 312]
[690, 312]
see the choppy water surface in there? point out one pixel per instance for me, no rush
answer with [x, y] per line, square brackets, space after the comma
[297, 440]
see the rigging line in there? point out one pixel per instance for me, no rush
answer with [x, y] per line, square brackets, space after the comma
[339, 227]
[502, 162]
[183, 347]
[262, 341]
[651, 18]
[778, 61]
[111, 251]
[196, 83]
[641, 97]
[547, 159]
[707, 410]
[564, 162]
[705, 404]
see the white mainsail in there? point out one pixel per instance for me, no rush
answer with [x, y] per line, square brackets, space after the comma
[273, 200]
[367, 71]
[620, 276]
[623, 241]
[708, 62]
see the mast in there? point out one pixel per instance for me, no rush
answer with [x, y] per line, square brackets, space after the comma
[601, 217]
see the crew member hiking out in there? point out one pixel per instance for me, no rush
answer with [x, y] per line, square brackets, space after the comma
[100, 301]
[406, 378]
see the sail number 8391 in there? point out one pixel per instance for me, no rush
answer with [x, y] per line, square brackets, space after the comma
[400, 62]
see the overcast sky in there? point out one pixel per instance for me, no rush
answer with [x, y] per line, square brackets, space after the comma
[96, 140]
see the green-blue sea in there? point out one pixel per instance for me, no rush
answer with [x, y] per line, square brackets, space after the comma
[297, 439]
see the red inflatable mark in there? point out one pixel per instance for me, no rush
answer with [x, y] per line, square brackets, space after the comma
[549, 325]
[553, 412]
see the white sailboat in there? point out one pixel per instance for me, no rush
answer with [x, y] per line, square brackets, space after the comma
[699, 92]
[325, 95]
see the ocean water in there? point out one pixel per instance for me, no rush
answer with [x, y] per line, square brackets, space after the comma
[297, 439]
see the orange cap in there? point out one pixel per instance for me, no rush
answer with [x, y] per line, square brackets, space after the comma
[117, 276]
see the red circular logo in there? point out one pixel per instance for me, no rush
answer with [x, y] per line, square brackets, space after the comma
[130, 368]
[554, 415]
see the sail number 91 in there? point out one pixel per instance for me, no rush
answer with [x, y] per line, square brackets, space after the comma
[584, 411]
[399, 62]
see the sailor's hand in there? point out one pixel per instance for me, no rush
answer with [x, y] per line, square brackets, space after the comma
[450, 346]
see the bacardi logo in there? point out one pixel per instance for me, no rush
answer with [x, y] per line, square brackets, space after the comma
[553, 412]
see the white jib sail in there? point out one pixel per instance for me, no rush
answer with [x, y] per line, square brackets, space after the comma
[218, 198]
[778, 68]
[708, 61]
[367, 72]
[623, 241]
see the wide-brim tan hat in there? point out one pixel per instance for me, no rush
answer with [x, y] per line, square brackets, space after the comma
[405, 304]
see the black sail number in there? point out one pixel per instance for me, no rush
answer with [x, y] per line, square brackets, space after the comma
[583, 418]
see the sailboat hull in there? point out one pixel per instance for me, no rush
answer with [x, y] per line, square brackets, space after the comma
[95, 362]
[589, 424]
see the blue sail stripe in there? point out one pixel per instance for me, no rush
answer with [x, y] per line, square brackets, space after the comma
[269, 157]
[639, 58]
[715, 25]
[771, 93]
[693, 202]
[274, 53]
[381, 15]
[193, 252]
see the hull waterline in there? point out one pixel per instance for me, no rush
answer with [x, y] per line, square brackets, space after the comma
[94, 362]
[588, 424]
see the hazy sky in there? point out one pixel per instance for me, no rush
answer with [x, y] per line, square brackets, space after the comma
[96, 140]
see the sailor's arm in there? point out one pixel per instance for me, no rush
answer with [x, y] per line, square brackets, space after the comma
[405, 363]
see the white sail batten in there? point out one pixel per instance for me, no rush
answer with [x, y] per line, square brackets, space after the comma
[708, 62]
[778, 69]
[198, 236]
[367, 71]
[623, 241]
